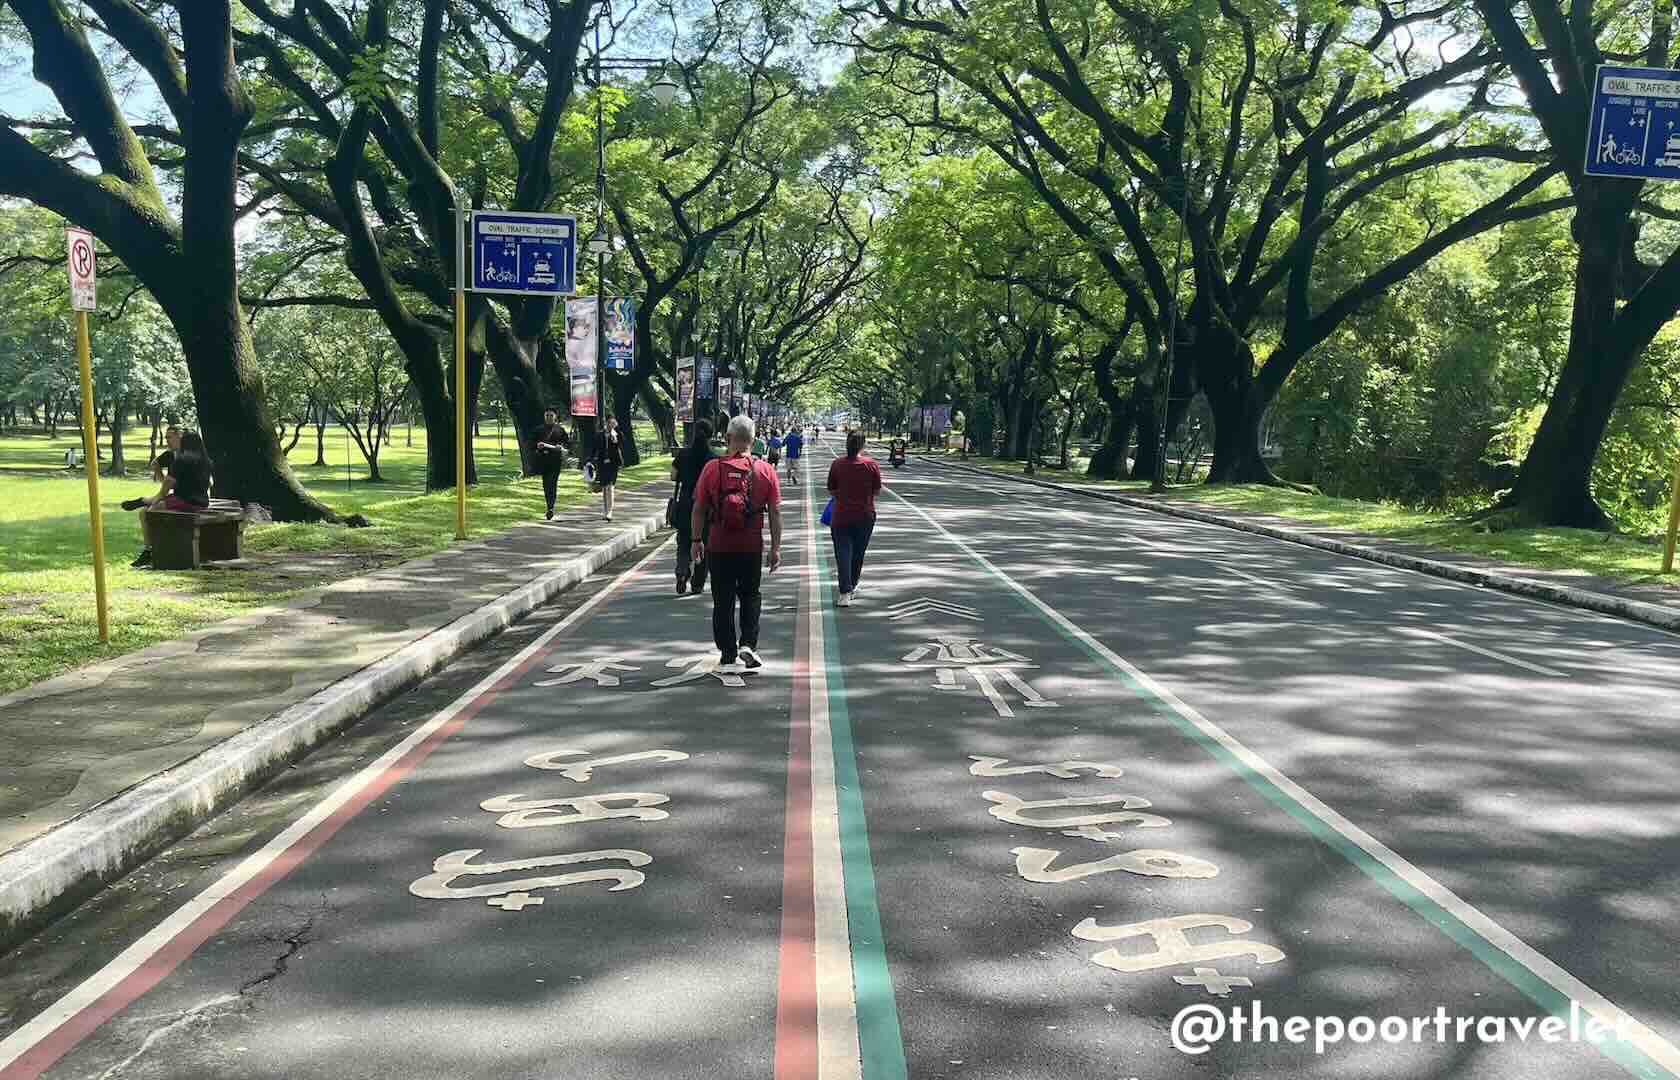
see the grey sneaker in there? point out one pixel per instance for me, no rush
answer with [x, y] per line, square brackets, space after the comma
[845, 599]
[749, 658]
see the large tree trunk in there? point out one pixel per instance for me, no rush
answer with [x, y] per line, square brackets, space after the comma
[1110, 459]
[1146, 408]
[202, 296]
[662, 414]
[1224, 367]
[1010, 406]
[432, 379]
[513, 350]
[623, 408]
[1554, 486]
[118, 466]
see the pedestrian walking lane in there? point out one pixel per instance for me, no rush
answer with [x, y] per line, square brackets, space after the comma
[1018, 811]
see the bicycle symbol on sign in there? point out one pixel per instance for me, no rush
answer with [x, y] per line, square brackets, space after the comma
[1612, 153]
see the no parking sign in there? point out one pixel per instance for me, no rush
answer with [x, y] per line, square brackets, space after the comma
[84, 292]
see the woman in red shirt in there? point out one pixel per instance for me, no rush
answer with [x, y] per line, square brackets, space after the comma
[854, 481]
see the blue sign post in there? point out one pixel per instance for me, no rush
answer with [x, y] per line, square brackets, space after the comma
[1634, 128]
[524, 253]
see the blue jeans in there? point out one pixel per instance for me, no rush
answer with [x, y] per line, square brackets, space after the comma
[850, 544]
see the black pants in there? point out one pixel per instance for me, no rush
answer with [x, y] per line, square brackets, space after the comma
[851, 542]
[551, 480]
[685, 549]
[735, 575]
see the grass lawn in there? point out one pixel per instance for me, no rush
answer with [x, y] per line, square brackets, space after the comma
[1623, 558]
[47, 617]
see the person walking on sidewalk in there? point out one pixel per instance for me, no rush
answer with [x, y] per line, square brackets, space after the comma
[794, 445]
[608, 458]
[686, 470]
[734, 496]
[854, 481]
[550, 442]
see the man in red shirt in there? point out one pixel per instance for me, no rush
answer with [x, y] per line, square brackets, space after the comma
[735, 494]
[854, 480]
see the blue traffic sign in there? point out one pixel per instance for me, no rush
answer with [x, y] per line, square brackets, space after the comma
[527, 253]
[1634, 129]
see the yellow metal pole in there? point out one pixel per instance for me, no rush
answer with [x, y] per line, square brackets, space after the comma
[460, 388]
[1673, 519]
[90, 463]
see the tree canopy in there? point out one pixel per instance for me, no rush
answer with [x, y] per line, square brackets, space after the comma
[1346, 243]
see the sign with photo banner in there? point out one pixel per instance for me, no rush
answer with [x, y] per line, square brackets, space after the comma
[726, 396]
[580, 355]
[685, 388]
[620, 315]
[703, 378]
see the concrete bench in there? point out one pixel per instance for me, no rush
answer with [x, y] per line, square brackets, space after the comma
[183, 541]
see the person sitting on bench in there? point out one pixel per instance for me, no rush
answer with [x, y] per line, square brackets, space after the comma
[160, 467]
[186, 489]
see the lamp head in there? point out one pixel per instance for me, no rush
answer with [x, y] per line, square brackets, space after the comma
[664, 91]
[599, 244]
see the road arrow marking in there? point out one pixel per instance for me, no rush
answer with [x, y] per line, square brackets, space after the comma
[924, 604]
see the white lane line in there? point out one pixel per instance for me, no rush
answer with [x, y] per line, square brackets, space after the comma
[1591, 1001]
[1277, 587]
[137, 955]
[838, 1053]
[1414, 631]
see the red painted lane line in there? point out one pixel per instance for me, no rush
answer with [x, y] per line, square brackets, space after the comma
[63, 1039]
[796, 989]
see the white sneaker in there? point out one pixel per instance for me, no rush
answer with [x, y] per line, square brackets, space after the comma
[845, 599]
[749, 658]
[734, 667]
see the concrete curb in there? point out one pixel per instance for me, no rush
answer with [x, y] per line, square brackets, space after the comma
[63, 866]
[1663, 618]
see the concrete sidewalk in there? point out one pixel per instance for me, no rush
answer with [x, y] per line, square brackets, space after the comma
[106, 763]
[1652, 603]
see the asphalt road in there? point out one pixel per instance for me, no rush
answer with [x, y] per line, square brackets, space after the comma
[1063, 771]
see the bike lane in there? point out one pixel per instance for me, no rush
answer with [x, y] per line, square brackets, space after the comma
[1063, 862]
[582, 867]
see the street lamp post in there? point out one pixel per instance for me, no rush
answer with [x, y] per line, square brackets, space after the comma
[729, 245]
[600, 243]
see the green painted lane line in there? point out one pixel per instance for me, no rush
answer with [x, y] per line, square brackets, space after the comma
[880, 1039]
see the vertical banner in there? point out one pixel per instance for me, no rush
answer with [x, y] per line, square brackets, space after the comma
[940, 420]
[620, 314]
[703, 375]
[726, 396]
[580, 354]
[685, 388]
